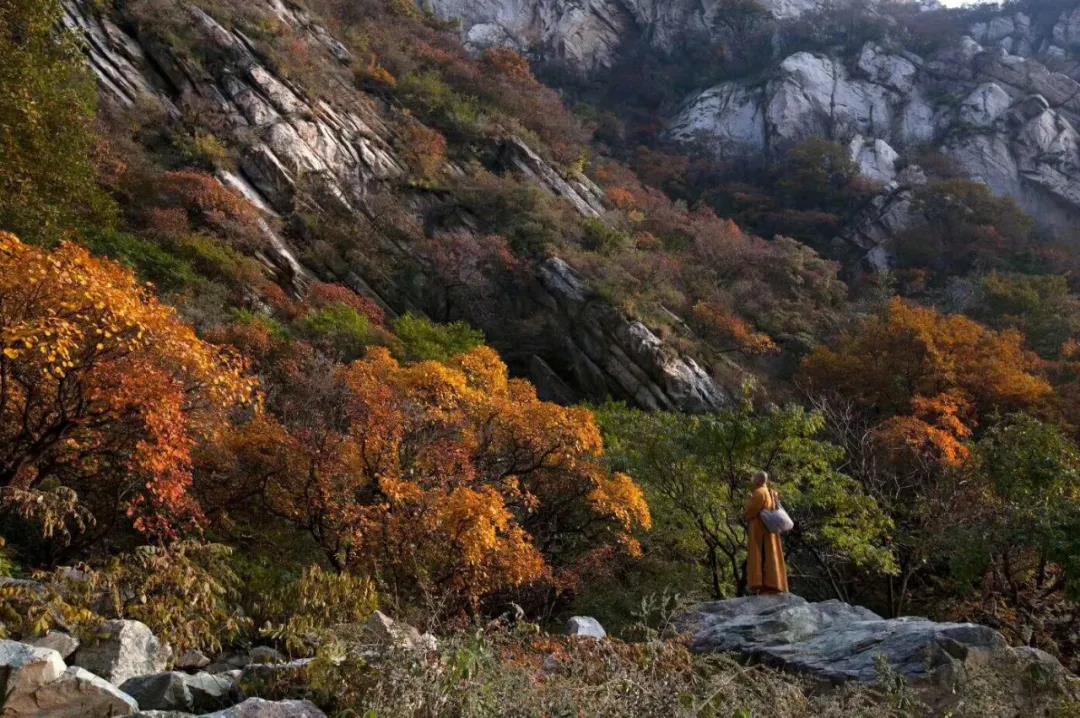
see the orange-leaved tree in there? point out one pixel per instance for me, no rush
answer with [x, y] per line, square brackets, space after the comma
[446, 478]
[102, 388]
[904, 395]
[911, 351]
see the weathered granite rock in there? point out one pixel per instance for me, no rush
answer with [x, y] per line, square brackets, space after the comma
[380, 628]
[1000, 114]
[588, 35]
[24, 668]
[178, 691]
[585, 196]
[63, 643]
[122, 649]
[614, 354]
[260, 708]
[585, 626]
[984, 105]
[837, 641]
[875, 158]
[77, 693]
[192, 660]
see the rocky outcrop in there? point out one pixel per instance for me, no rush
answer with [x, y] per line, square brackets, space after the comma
[35, 683]
[1005, 119]
[611, 354]
[836, 641]
[586, 35]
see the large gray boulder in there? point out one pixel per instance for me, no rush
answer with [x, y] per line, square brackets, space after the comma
[260, 708]
[839, 642]
[176, 691]
[122, 649]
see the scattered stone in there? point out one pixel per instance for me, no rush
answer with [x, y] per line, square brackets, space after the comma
[77, 693]
[272, 678]
[260, 708]
[176, 691]
[265, 654]
[159, 691]
[122, 649]
[380, 628]
[192, 661]
[213, 692]
[23, 668]
[63, 643]
[585, 626]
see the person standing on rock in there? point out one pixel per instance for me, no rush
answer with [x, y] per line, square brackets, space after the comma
[766, 571]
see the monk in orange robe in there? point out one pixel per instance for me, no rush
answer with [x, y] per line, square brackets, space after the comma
[766, 571]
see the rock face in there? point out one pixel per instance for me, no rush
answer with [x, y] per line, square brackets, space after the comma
[587, 34]
[1012, 129]
[613, 354]
[121, 650]
[837, 641]
[287, 136]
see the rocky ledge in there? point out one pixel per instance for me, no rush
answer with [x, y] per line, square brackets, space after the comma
[837, 642]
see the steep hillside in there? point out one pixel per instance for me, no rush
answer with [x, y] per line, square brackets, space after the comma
[993, 91]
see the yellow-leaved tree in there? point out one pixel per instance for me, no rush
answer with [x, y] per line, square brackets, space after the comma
[447, 478]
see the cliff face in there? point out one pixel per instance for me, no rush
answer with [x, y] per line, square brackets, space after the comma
[587, 34]
[343, 153]
[1006, 120]
[1000, 99]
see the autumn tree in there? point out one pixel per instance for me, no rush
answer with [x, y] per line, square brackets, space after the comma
[445, 478]
[102, 388]
[910, 351]
[48, 187]
[904, 395]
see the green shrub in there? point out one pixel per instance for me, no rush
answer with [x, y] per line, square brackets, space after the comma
[342, 328]
[206, 151]
[247, 317]
[301, 614]
[599, 237]
[215, 260]
[47, 106]
[437, 102]
[150, 261]
[186, 593]
[425, 340]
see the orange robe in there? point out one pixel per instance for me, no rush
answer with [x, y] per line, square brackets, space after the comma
[765, 567]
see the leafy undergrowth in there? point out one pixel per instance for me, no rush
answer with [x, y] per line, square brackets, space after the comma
[522, 672]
